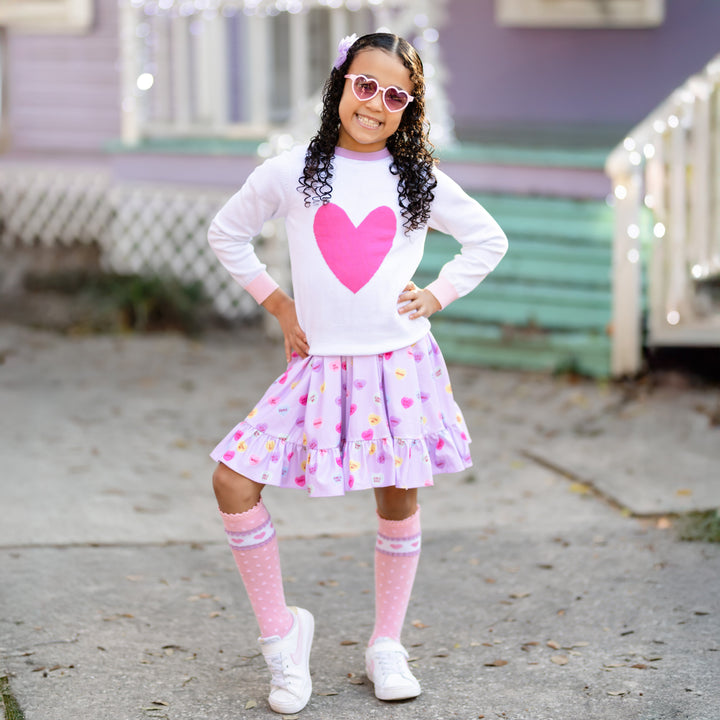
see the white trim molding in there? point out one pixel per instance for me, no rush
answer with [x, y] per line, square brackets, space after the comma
[580, 13]
[47, 15]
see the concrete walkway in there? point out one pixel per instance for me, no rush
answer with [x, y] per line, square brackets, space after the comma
[552, 586]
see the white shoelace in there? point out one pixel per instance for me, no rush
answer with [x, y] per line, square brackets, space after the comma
[275, 663]
[391, 663]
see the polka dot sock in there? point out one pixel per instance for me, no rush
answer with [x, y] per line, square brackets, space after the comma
[397, 551]
[255, 547]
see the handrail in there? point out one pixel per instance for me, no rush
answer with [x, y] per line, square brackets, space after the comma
[670, 164]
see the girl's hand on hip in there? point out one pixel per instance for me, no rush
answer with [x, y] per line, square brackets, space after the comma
[419, 301]
[282, 306]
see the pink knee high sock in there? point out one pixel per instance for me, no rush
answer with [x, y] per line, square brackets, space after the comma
[254, 545]
[397, 552]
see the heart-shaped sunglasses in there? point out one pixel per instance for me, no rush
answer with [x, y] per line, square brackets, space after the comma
[365, 88]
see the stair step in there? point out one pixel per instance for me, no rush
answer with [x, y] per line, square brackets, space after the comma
[548, 304]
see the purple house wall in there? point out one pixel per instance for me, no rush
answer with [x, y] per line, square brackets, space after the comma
[64, 91]
[606, 78]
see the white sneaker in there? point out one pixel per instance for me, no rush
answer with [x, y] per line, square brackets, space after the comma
[387, 668]
[289, 661]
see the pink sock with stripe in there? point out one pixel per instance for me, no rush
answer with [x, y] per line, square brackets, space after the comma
[255, 548]
[397, 551]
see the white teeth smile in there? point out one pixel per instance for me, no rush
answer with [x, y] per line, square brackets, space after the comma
[367, 122]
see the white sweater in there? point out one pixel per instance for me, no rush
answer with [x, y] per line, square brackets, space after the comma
[351, 258]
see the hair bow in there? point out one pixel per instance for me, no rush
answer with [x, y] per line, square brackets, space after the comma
[343, 46]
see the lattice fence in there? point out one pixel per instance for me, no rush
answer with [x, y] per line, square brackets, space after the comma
[146, 229]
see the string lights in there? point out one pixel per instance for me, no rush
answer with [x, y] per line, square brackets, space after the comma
[418, 20]
[629, 164]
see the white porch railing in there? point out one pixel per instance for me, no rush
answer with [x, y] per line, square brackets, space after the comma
[251, 68]
[669, 166]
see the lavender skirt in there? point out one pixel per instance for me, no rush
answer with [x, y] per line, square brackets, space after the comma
[335, 423]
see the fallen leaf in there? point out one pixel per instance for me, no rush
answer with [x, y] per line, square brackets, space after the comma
[519, 595]
[419, 624]
[250, 704]
[349, 642]
[328, 693]
[618, 693]
[639, 666]
[554, 645]
[684, 492]
[496, 663]
[579, 488]
[614, 665]
[559, 659]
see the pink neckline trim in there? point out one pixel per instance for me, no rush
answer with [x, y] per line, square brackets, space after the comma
[354, 155]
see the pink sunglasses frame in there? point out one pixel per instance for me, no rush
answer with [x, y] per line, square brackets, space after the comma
[379, 88]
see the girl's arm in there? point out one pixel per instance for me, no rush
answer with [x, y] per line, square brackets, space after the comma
[231, 234]
[483, 242]
[241, 219]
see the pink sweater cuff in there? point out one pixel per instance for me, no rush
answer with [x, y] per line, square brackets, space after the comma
[443, 290]
[261, 287]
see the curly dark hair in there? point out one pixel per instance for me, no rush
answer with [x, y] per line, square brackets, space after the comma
[409, 146]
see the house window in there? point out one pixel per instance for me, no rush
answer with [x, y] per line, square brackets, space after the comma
[47, 15]
[227, 74]
[580, 13]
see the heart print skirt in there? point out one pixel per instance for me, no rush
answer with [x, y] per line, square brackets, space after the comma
[330, 424]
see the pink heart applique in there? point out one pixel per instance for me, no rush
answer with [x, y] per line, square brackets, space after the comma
[354, 254]
[395, 546]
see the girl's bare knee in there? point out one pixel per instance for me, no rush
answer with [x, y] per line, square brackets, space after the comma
[395, 503]
[234, 492]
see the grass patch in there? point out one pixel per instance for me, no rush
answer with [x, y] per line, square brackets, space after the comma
[113, 302]
[699, 526]
[8, 703]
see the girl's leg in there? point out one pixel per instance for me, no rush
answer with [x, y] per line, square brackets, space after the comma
[397, 551]
[286, 633]
[254, 546]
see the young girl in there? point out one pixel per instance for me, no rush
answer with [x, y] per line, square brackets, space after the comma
[365, 401]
